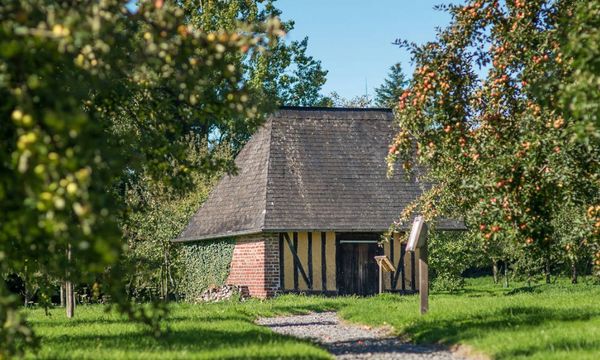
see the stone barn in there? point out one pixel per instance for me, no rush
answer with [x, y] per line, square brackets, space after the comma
[309, 205]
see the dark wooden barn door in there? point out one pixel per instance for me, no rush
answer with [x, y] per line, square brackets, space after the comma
[358, 272]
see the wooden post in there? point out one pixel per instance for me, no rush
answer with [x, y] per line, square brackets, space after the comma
[418, 240]
[424, 278]
[69, 296]
[380, 278]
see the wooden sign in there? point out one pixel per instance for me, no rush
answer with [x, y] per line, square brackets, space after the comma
[418, 233]
[385, 263]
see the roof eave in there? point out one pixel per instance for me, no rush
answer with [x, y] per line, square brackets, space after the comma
[278, 230]
[217, 236]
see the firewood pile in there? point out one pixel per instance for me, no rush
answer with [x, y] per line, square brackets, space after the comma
[225, 292]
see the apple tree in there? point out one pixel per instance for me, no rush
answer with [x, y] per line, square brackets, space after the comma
[92, 94]
[483, 114]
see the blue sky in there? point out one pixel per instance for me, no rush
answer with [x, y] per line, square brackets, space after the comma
[353, 38]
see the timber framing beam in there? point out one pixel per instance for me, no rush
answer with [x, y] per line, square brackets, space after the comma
[297, 262]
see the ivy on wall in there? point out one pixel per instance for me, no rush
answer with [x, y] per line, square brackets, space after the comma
[204, 264]
[164, 269]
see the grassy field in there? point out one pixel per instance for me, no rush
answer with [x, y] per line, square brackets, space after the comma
[558, 321]
[211, 331]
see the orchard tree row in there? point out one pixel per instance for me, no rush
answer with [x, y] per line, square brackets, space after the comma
[503, 111]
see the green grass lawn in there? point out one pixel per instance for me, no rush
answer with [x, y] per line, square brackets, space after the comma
[555, 321]
[210, 331]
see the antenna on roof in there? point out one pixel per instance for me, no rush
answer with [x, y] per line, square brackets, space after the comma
[366, 90]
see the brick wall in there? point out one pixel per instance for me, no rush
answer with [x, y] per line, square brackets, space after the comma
[255, 264]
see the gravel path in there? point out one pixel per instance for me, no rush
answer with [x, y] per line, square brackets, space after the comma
[346, 341]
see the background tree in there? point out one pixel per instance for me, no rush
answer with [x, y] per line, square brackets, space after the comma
[388, 93]
[483, 115]
[157, 216]
[452, 253]
[285, 75]
[336, 100]
[580, 95]
[93, 95]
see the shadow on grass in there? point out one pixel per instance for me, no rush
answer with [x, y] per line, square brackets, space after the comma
[534, 289]
[229, 339]
[560, 345]
[470, 292]
[305, 309]
[456, 330]
[209, 331]
[53, 322]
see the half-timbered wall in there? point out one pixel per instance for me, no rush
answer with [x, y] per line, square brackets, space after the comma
[313, 267]
[308, 261]
[404, 279]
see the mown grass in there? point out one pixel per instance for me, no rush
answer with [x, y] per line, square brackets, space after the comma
[557, 321]
[208, 331]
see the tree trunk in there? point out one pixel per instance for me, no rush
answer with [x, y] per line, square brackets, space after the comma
[62, 294]
[165, 286]
[547, 270]
[69, 296]
[505, 274]
[25, 288]
[25, 295]
[495, 270]
[573, 272]
[166, 275]
[172, 281]
[70, 299]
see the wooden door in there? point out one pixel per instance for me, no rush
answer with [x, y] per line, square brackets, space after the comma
[358, 272]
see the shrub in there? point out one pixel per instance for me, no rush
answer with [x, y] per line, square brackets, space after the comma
[450, 255]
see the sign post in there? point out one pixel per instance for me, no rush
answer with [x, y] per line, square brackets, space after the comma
[418, 240]
[424, 277]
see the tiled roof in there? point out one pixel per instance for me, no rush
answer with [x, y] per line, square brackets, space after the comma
[310, 169]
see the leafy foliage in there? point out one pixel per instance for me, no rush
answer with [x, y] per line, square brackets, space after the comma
[92, 95]
[285, 74]
[162, 268]
[388, 93]
[336, 100]
[483, 115]
[580, 91]
[450, 255]
[158, 215]
[204, 264]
